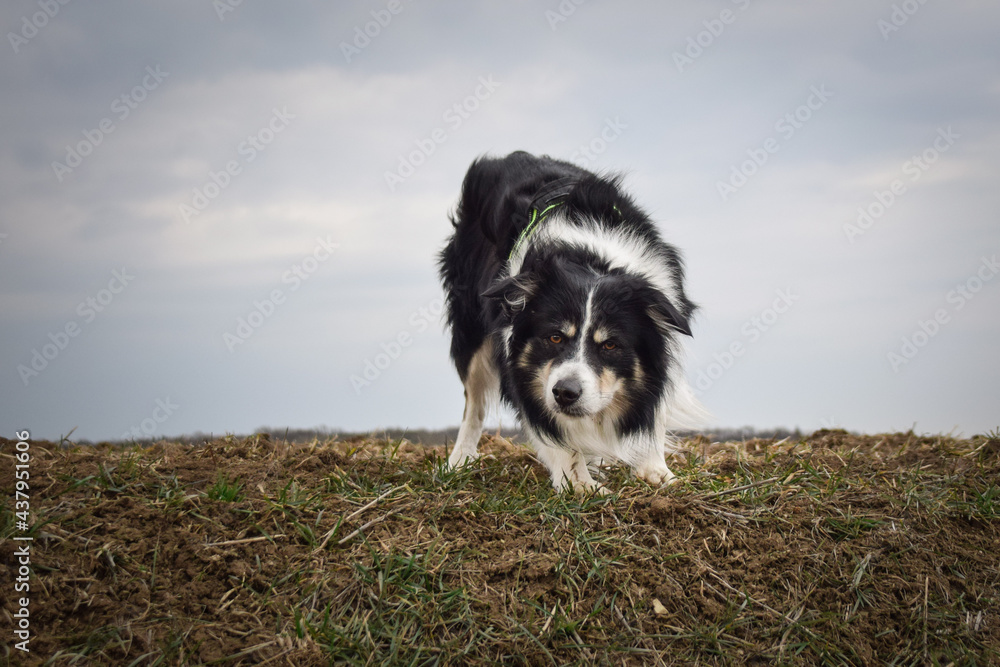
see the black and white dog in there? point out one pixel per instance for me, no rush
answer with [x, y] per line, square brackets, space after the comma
[563, 300]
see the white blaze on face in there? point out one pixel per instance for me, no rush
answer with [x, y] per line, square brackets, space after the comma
[597, 391]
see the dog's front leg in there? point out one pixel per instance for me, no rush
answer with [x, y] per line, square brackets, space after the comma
[568, 469]
[655, 472]
[653, 468]
[481, 382]
[467, 443]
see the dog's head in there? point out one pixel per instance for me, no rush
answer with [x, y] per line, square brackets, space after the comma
[587, 342]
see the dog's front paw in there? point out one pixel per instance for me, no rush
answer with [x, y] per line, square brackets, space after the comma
[589, 488]
[461, 457]
[656, 475]
[580, 487]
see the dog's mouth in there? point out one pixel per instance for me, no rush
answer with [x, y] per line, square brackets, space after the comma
[572, 411]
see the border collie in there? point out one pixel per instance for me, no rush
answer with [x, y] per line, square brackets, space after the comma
[564, 301]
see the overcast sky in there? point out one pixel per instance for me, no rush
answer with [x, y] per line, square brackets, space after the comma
[221, 216]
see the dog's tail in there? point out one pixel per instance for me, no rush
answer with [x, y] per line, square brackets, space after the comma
[685, 412]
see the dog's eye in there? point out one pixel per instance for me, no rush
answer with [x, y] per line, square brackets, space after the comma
[609, 345]
[555, 338]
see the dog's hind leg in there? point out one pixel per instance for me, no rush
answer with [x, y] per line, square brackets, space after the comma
[482, 384]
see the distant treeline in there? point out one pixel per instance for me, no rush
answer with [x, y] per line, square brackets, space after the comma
[440, 437]
[443, 436]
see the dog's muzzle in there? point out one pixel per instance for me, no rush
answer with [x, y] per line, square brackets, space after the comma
[567, 392]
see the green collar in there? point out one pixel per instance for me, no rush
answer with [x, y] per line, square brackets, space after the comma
[536, 218]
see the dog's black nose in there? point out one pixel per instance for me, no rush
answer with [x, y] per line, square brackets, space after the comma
[567, 391]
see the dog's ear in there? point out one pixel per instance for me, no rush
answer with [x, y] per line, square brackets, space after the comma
[631, 292]
[513, 293]
[666, 316]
